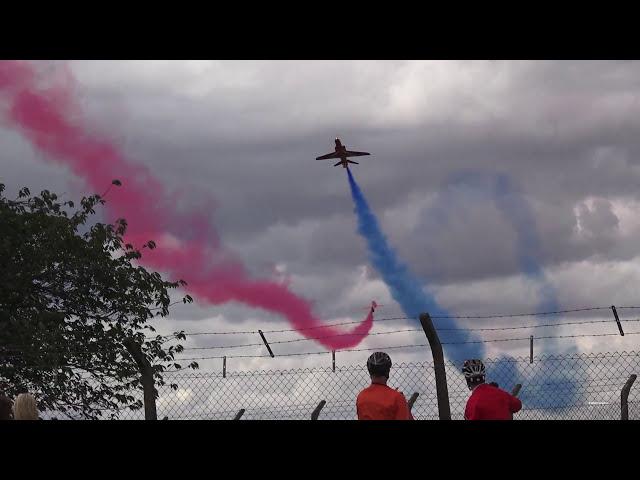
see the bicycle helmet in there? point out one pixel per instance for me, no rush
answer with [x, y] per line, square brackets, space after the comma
[474, 372]
[379, 364]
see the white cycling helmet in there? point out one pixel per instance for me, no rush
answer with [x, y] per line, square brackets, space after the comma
[474, 371]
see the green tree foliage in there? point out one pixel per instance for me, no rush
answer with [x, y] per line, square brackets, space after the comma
[71, 296]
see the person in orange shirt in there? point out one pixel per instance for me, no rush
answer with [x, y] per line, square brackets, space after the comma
[379, 401]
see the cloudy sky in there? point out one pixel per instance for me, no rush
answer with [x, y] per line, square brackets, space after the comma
[566, 134]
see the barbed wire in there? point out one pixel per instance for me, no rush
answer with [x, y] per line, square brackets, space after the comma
[412, 330]
[408, 346]
[328, 325]
[539, 338]
[304, 339]
[324, 352]
[522, 327]
[238, 332]
[511, 315]
[179, 359]
[519, 327]
[389, 319]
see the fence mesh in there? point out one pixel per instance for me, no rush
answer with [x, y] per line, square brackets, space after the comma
[576, 387]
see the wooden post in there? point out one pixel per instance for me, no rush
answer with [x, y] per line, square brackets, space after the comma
[146, 377]
[624, 398]
[444, 411]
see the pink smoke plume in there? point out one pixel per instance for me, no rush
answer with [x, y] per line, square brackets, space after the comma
[187, 245]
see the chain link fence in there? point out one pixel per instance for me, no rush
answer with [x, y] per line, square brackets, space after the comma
[575, 387]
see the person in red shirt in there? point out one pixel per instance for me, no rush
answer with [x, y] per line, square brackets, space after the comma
[379, 401]
[487, 401]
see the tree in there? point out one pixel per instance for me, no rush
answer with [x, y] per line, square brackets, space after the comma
[73, 304]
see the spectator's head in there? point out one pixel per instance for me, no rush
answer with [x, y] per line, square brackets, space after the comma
[5, 407]
[25, 408]
[379, 365]
[474, 373]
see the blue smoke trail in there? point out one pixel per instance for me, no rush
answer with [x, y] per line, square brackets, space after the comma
[538, 392]
[407, 290]
[405, 287]
[515, 209]
[542, 392]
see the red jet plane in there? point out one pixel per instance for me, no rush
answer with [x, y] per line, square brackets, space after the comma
[342, 153]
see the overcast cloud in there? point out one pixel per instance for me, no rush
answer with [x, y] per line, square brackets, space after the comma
[567, 134]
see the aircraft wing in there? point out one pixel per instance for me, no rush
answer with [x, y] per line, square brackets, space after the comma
[328, 156]
[356, 154]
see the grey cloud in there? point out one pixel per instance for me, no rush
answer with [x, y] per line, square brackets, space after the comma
[599, 220]
[248, 132]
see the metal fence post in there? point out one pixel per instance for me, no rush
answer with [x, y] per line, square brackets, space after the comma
[515, 392]
[516, 389]
[444, 411]
[624, 398]
[316, 412]
[617, 319]
[146, 377]
[266, 344]
[412, 400]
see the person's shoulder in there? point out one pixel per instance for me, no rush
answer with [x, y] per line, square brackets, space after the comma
[473, 394]
[397, 393]
[364, 391]
[481, 391]
[494, 388]
[505, 393]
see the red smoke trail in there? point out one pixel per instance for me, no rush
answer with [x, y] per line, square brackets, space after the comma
[187, 246]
